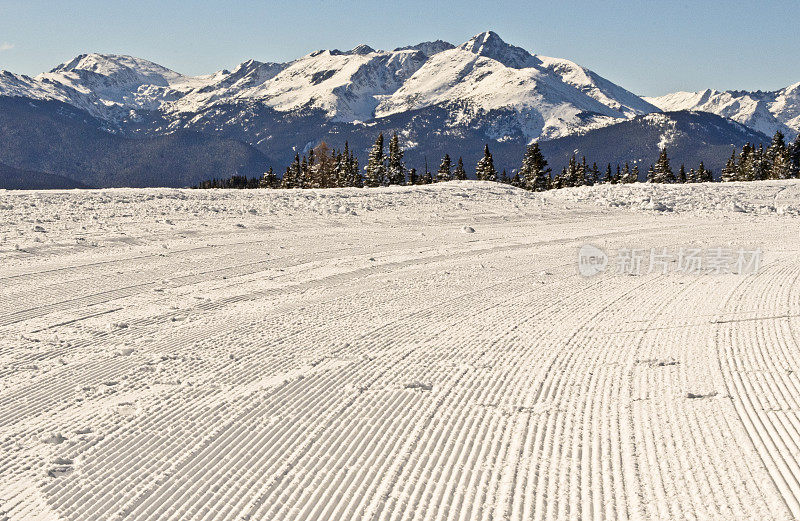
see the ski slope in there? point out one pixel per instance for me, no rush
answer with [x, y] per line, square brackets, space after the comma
[359, 354]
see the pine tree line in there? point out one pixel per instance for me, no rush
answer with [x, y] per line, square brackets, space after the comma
[322, 168]
[777, 161]
[236, 181]
[329, 168]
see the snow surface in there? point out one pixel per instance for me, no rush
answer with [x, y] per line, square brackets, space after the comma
[355, 354]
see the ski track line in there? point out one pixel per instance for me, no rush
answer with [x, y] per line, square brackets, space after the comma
[755, 375]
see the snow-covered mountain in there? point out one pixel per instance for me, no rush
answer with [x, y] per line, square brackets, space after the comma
[762, 111]
[484, 81]
[106, 86]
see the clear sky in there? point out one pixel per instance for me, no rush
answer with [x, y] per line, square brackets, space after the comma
[650, 47]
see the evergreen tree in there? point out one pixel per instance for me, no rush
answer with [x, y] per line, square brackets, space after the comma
[682, 175]
[504, 179]
[628, 176]
[573, 175]
[594, 175]
[618, 176]
[729, 173]
[777, 158]
[427, 178]
[460, 174]
[270, 180]
[534, 174]
[310, 170]
[444, 173]
[376, 165]
[339, 170]
[396, 169]
[692, 176]
[609, 177]
[305, 177]
[352, 174]
[412, 177]
[343, 170]
[484, 170]
[793, 154]
[342, 166]
[518, 182]
[358, 179]
[703, 175]
[291, 178]
[561, 179]
[583, 173]
[746, 165]
[762, 167]
[661, 171]
[635, 174]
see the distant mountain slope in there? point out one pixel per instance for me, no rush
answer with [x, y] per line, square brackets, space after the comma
[50, 136]
[690, 137]
[762, 111]
[16, 179]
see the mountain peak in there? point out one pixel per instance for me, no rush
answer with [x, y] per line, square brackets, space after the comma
[487, 37]
[362, 49]
[115, 64]
[490, 45]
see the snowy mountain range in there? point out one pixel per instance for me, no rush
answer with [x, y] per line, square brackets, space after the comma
[539, 96]
[484, 90]
[762, 111]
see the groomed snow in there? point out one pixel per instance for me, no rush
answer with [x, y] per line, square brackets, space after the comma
[356, 354]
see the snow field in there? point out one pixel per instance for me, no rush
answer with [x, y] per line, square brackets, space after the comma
[217, 355]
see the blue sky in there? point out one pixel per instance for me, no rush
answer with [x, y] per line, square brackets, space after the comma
[649, 47]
